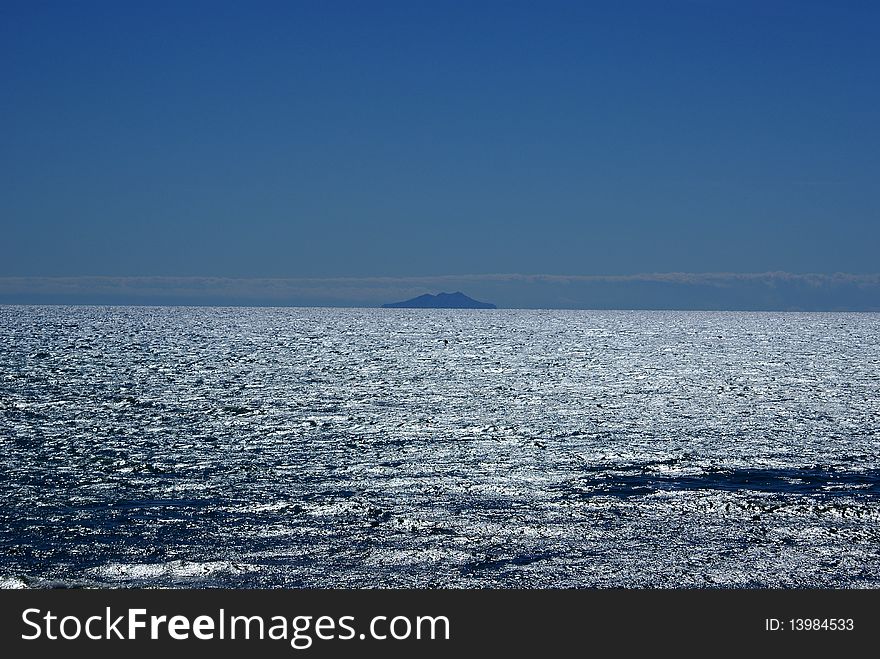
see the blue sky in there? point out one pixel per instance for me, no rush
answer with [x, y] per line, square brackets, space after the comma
[405, 139]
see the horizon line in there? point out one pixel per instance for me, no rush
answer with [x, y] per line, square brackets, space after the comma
[710, 291]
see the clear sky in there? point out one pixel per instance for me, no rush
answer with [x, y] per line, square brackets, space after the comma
[319, 139]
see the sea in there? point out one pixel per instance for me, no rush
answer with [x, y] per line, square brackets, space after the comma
[314, 447]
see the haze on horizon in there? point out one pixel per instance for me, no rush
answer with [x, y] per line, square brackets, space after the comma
[397, 139]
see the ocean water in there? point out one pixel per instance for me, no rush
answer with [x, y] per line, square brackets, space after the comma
[293, 447]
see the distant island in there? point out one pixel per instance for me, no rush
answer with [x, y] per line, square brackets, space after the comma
[455, 300]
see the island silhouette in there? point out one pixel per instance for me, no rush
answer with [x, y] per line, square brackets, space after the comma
[457, 300]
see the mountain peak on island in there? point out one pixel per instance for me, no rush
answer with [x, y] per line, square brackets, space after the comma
[457, 300]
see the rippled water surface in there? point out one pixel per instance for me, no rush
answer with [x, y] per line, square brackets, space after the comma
[356, 447]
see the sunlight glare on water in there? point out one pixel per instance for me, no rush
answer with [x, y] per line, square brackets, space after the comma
[288, 447]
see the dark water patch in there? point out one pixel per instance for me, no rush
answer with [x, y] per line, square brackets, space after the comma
[27, 414]
[238, 410]
[824, 481]
[494, 564]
